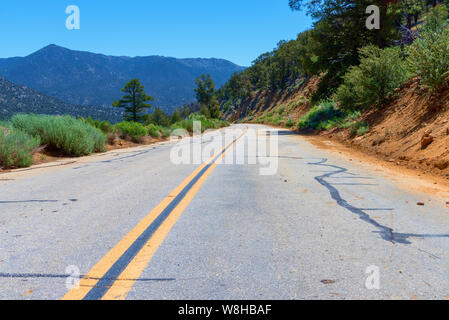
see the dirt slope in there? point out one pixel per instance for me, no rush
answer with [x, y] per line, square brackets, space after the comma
[412, 130]
[294, 103]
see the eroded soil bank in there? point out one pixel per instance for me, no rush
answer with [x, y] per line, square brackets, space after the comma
[411, 131]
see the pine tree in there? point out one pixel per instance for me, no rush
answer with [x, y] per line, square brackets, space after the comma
[176, 117]
[134, 101]
[207, 96]
[205, 111]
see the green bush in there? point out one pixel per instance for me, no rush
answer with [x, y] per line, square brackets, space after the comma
[429, 58]
[359, 128]
[165, 132]
[71, 136]
[106, 127]
[289, 123]
[94, 123]
[16, 148]
[436, 19]
[277, 121]
[321, 116]
[134, 130]
[345, 121]
[369, 84]
[206, 123]
[154, 130]
[268, 119]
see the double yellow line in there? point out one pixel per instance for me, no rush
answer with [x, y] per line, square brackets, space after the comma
[115, 274]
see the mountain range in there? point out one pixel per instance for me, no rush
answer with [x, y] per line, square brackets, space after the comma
[91, 79]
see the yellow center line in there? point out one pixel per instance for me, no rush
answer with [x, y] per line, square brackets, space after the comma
[127, 278]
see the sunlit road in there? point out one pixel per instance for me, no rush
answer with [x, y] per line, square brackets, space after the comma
[137, 226]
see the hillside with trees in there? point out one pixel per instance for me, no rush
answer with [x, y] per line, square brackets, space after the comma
[382, 90]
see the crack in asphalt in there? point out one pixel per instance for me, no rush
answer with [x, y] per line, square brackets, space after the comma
[385, 232]
[44, 275]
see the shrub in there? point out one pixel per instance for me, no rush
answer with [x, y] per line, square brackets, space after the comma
[133, 130]
[165, 132]
[71, 136]
[277, 121]
[268, 119]
[206, 123]
[186, 124]
[154, 130]
[289, 123]
[359, 128]
[94, 123]
[320, 116]
[345, 121]
[362, 130]
[436, 19]
[380, 72]
[16, 148]
[106, 127]
[429, 58]
[112, 138]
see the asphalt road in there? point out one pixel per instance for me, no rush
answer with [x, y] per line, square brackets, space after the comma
[136, 226]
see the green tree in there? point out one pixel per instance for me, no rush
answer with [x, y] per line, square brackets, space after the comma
[214, 108]
[436, 20]
[207, 96]
[205, 89]
[411, 10]
[158, 117]
[428, 58]
[370, 83]
[176, 116]
[205, 111]
[185, 111]
[339, 31]
[134, 101]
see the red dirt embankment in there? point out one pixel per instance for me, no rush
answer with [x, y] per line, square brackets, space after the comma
[411, 131]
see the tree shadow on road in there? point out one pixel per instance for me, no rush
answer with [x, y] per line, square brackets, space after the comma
[385, 232]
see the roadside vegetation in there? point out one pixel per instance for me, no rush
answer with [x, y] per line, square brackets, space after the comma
[16, 147]
[70, 136]
[25, 134]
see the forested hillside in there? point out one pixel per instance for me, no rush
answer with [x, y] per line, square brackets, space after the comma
[335, 45]
[383, 90]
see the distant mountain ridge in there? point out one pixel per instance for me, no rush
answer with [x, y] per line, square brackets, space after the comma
[16, 98]
[85, 78]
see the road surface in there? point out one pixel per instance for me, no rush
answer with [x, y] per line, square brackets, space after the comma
[134, 225]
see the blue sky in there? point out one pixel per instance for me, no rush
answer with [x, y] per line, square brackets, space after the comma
[235, 30]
